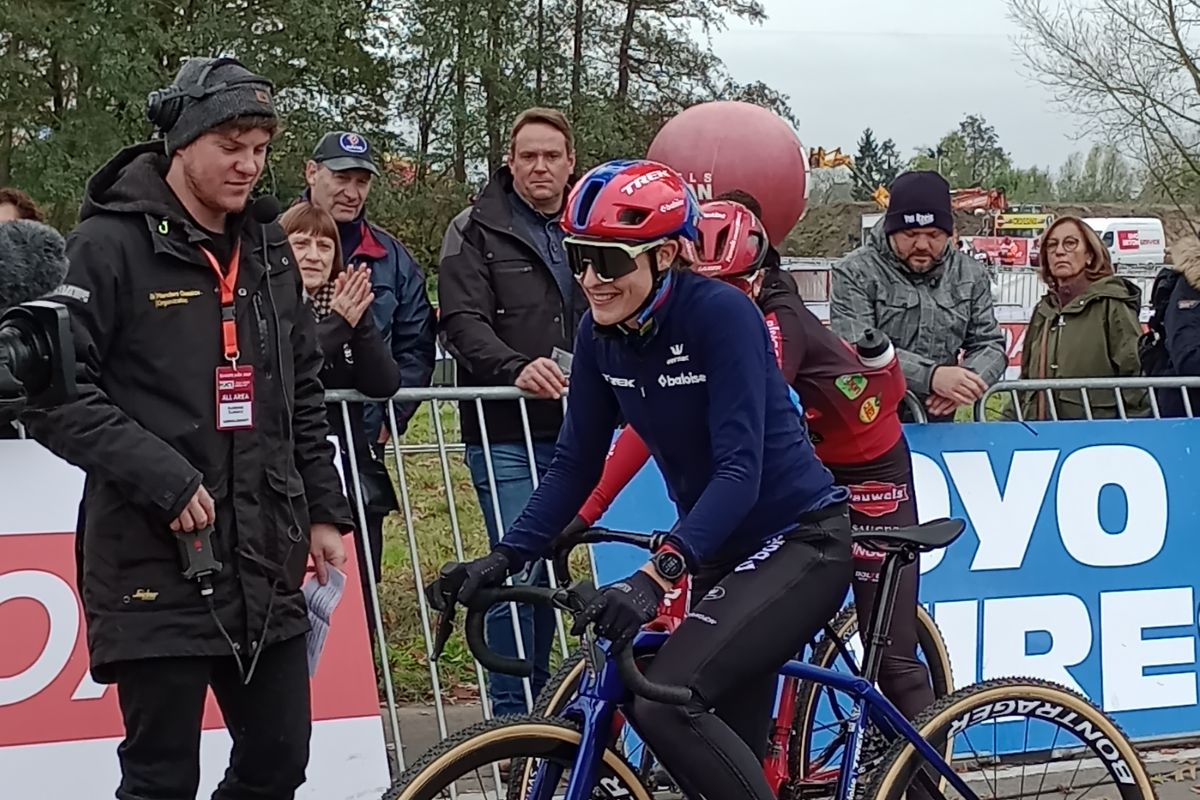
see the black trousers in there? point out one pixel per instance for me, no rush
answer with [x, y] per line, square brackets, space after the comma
[745, 625]
[882, 496]
[162, 702]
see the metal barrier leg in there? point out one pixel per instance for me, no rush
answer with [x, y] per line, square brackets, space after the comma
[418, 580]
[373, 582]
[499, 519]
[456, 535]
[535, 479]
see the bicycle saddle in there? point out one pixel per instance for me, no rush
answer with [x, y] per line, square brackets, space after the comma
[932, 535]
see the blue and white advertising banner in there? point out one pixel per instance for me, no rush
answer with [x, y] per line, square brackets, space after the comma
[1080, 563]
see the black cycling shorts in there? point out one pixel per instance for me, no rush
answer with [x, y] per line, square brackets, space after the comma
[748, 618]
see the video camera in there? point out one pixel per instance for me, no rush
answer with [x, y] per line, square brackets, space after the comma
[37, 351]
[37, 358]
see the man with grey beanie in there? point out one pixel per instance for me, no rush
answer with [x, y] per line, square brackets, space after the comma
[200, 425]
[934, 302]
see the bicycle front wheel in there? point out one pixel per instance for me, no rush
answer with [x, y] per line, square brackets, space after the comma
[1012, 737]
[495, 761]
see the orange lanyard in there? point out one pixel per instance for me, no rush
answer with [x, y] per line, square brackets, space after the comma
[227, 282]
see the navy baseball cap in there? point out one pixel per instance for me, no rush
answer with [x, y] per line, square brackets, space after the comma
[343, 150]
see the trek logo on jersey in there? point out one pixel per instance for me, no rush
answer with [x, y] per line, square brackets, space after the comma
[876, 498]
[620, 383]
[686, 379]
[869, 411]
[677, 355]
[852, 386]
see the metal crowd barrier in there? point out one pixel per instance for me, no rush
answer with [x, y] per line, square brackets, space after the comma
[1016, 393]
[432, 454]
[424, 456]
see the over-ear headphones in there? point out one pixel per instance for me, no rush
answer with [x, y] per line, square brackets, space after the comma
[163, 106]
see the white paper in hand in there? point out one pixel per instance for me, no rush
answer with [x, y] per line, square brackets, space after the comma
[322, 600]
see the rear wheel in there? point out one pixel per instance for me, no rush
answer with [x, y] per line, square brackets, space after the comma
[820, 726]
[512, 758]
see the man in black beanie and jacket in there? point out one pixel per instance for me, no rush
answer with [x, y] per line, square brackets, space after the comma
[200, 421]
[933, 301]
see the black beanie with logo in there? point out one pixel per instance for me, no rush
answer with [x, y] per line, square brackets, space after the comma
[241, 94]
[919, 199]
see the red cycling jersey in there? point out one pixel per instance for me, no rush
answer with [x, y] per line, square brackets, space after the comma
[852, 412]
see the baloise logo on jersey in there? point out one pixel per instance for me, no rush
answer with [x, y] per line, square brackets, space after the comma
[686, 379]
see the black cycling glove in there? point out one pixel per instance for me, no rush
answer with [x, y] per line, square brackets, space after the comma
[621, 609]
[462, 581]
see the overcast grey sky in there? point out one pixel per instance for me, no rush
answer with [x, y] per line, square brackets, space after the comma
[909, 69]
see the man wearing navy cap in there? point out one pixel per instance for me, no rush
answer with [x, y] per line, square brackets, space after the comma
[933, 301]
[339, 178]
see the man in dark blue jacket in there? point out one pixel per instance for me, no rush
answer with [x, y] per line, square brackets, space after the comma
[688, 363]
[339, 178]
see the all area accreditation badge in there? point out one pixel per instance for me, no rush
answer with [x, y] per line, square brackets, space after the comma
[235, 398]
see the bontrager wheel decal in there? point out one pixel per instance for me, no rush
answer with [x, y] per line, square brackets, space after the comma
[1020, 697]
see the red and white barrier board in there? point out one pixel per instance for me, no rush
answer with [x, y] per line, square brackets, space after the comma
[59, 730]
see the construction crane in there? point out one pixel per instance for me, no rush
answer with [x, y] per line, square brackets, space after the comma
[832, 159]
[975, 199]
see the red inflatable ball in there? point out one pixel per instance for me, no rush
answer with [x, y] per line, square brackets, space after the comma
[728, 145]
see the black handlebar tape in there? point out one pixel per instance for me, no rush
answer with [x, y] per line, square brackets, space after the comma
[640, 685]
[477, 613]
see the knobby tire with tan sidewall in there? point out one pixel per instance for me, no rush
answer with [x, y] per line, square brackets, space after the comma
[896, 770]
[505, 739]
[826, 653]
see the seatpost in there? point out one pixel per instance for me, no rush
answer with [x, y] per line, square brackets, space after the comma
[881, 614]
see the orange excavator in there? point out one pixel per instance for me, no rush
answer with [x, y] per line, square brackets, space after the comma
[976, 199]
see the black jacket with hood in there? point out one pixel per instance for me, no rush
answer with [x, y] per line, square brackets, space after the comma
[145, 311]
[500, 309]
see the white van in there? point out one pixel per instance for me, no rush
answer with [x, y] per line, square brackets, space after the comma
[1131, 240]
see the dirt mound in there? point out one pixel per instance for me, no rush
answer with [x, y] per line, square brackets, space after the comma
[831, 231]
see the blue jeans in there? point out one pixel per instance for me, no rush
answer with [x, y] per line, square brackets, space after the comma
[510, 466]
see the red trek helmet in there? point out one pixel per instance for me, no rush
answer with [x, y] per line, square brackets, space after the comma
[732, 241]
[631, 201]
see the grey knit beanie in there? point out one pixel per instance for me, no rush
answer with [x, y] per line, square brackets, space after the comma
[246, 95]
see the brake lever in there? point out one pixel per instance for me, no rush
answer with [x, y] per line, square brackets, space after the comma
[445, 626]
[445, 600]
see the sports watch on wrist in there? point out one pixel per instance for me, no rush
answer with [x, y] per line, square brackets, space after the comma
[669, 564]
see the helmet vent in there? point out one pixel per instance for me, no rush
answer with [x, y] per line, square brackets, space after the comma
[632, 216]
[722, 240]
[587, 199]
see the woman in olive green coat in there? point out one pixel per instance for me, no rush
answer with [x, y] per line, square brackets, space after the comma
[1086, 326]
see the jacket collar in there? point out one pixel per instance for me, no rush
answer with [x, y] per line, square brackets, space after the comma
[494, 208]
[370, 246]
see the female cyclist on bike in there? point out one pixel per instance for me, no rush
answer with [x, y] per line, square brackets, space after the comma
[687, 361]
[854, 423]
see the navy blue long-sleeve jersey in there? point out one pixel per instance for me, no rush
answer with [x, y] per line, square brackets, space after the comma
[703, 391]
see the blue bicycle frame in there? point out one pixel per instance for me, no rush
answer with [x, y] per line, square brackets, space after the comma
[602, 693]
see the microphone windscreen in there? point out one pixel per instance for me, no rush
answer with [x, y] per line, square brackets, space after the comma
[265, 210]
[33, 261]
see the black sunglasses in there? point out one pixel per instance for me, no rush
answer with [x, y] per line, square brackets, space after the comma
[609, 260]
